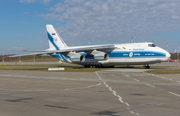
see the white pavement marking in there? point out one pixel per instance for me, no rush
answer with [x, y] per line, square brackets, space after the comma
[174, 94]
[166, 78]
[110, 89]
[54, 89]
[130, 110]
[121, 100]
[136, 80]
[107, 85]
[119, 97]
[127, 75]
[98, 76]
[115, 94]
[178, 81]
[126, 103]
[149, 85]
[162, 77]
[137, 114]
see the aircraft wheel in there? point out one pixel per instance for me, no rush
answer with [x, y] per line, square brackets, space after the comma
[97, 66]
[144, 67]
[100, 65]
[111, 67]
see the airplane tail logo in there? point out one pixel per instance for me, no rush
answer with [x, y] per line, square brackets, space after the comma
[56, 42]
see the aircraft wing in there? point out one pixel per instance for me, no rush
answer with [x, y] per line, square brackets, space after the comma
[104, 48]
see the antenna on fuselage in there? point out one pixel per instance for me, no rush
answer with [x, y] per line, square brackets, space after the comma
[131, 39]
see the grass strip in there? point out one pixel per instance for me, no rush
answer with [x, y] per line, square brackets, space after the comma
[24, 68]
[164, 71]
[79, 69]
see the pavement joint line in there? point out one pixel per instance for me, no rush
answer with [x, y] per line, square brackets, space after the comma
[119, 97]
[174, 94]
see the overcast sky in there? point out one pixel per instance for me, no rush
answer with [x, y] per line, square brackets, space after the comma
[22, 22]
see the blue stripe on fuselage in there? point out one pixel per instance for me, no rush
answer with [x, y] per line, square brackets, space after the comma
[136, 54]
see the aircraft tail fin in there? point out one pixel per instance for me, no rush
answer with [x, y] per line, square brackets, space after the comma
[55, 40]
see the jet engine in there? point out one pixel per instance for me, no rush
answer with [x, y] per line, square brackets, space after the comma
[76, 58]
[100, 56]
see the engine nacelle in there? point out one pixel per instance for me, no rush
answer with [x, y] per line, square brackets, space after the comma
[101, 56]
[77, 58]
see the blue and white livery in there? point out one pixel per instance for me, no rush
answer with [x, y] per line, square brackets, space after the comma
[103, 55]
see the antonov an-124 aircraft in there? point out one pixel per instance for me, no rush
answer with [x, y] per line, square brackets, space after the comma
[103, 55]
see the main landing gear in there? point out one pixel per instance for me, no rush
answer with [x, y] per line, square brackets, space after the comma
[93, 66]
[146, 66]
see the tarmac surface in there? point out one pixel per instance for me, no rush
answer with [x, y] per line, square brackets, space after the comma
[119, 92]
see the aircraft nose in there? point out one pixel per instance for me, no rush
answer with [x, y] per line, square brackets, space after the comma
[168, 55]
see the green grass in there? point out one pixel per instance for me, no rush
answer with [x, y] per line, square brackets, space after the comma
[44, 65]
[77, 69]
[164, 71]
[37, 60]
[24, 68]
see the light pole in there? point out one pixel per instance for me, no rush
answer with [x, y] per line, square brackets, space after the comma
[3, 55]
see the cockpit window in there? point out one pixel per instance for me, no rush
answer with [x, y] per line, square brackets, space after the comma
[151, 45]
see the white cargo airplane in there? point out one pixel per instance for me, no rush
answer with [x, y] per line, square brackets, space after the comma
[103, 55]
